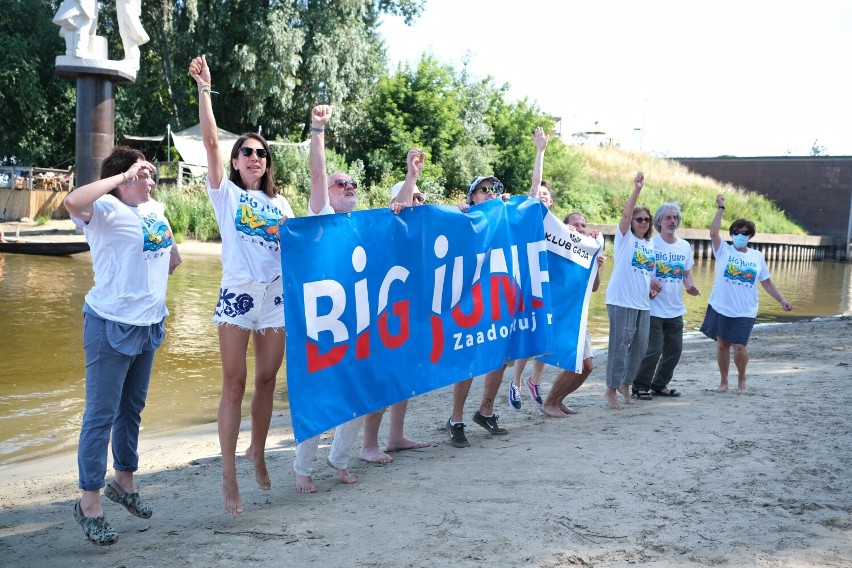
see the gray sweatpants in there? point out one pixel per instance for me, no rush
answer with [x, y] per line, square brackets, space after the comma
[628, 341]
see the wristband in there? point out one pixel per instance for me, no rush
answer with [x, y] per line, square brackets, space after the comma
[317, 129]
[721, 207]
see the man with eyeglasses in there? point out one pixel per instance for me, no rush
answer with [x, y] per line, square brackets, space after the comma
[673, 270]
[336, 193]
[403, 194]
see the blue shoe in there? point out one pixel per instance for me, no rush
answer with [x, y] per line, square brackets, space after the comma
[514, 396]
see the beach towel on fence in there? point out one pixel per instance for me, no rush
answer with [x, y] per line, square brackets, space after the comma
[382, 307]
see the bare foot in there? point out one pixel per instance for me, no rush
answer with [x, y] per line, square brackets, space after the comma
[343, 474]
[552, 410]
[405, 444]
[741, 387]
[375, 455]
[304, 483]
[723, 387]
[625, 392]
[231, 496]
[566, 409]
[612, 400]
[261, 475]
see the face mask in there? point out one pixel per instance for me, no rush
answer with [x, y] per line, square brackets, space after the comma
[740, 241]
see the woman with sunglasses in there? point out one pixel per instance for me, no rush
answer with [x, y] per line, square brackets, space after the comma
[732, 307]
[628, 297]
[123, 325]
[249, 211]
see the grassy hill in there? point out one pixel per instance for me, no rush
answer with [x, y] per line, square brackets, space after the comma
[607, 180]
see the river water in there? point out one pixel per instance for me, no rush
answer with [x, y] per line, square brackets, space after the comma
[41, 354]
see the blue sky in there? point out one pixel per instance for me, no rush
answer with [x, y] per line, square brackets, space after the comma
[746, 77]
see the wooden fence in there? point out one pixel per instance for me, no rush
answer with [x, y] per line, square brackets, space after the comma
[33, 192]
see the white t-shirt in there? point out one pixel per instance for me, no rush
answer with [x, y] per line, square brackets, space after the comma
[672, 261]
[130, 249]
[248, 222]
[326, 210]
[632, 268]
[734, 291]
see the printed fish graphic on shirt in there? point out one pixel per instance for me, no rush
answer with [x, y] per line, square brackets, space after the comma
[253, 223]
[733, 272]
[642, 262]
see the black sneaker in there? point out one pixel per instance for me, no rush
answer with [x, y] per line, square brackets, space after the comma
[457, 437]
[489, 424]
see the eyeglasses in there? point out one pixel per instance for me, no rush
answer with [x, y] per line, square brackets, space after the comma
[642, 219]
[740, 232]
[342, 183]
[497, 188]
[419, 198]
[261, 152]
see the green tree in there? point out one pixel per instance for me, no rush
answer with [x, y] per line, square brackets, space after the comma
[37, 108]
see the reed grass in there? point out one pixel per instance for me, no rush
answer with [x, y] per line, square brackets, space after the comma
[596, 181]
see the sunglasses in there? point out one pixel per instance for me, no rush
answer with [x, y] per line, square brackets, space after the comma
[419, 198]
[497, 188]
[261, 152]
[740, 232]
[642, 219]
[342, 183]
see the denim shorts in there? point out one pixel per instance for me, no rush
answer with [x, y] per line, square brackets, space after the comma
[253, 306]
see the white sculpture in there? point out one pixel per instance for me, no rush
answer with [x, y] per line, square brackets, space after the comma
[79, 21]
[84, 48]
[130, 27]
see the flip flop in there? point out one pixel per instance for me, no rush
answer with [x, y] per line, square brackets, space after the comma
[672, 392]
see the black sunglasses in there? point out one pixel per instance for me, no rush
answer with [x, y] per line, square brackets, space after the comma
[344, 182]
[642, 219]
[740, 232]
[261, 152]
[419, 198]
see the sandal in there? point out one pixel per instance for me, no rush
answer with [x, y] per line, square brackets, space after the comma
[672, 392]
[97, 529]
[130, 501]
[643, 394]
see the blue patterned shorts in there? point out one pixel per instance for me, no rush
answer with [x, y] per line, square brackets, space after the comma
[252, 306]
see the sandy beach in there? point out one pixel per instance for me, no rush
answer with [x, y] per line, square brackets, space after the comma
[760, 479]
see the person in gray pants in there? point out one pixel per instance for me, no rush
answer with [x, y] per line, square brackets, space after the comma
[673, 270]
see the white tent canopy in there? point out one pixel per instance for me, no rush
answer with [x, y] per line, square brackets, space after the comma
[190, 146]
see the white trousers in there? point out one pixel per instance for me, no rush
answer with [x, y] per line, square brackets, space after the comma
[338, 455]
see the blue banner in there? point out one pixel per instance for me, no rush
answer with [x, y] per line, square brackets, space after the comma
[572, 267]
[382, 307]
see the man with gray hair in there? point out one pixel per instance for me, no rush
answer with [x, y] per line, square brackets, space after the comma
[673, 270]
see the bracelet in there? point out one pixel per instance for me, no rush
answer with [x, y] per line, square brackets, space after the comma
[317, 129]
[126, 180]
[207, 89]
[721, 207]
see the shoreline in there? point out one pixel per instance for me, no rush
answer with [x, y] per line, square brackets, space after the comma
[648, 485]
